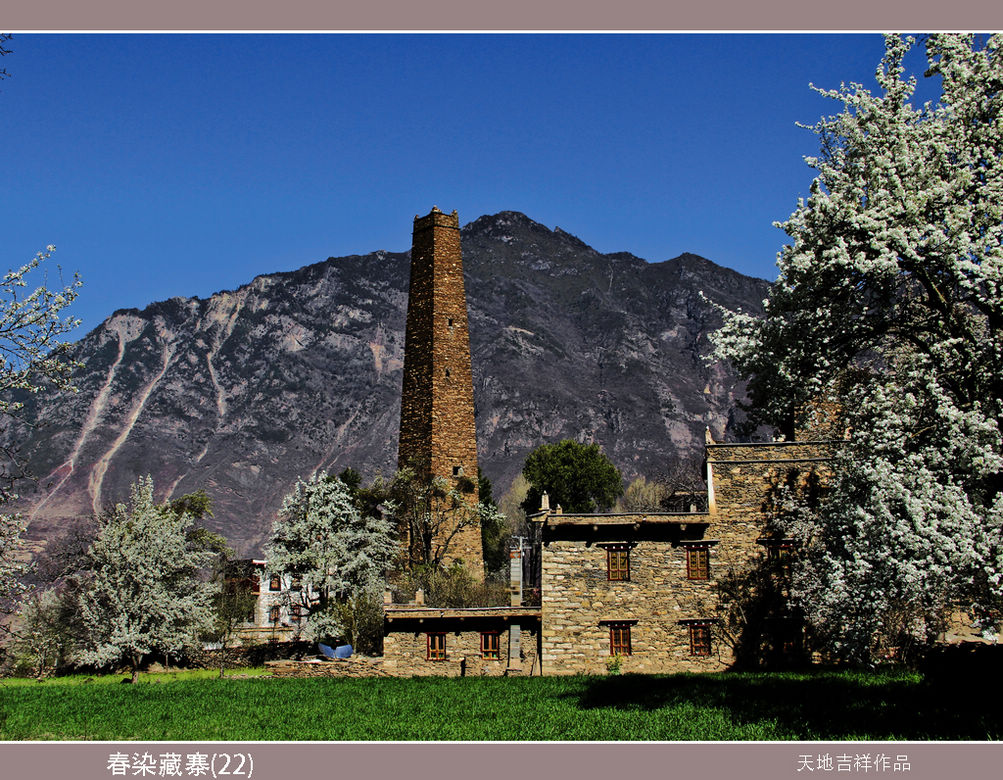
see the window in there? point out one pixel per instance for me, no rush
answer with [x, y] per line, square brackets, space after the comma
[296, 613]
[436, 647]
[273, 614]
[275, 583]
[457, 471]
[697, 563]
[618, 562]
[619, 638]
[778, 555]
[490, 646]
[700, 639]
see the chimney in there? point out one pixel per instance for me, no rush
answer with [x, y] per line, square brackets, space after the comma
[419, 598]
[515, 571]
[545, 502]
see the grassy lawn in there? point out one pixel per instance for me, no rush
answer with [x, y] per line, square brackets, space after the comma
[780, 706]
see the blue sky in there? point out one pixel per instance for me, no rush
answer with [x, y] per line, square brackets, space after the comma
[164, 165]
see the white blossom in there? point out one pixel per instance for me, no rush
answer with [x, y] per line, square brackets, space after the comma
[147, 591]
[328, 549]
[889, 298]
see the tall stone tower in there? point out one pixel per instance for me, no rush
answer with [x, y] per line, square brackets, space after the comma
[437, 434]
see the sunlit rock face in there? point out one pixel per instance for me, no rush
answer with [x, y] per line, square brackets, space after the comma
[296, 372]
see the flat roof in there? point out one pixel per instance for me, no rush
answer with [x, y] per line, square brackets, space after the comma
[624, 518]
[411, 612]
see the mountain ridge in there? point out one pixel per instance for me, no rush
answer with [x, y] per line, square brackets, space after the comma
[296, 371]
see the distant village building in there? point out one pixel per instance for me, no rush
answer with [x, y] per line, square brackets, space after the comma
[274, 618]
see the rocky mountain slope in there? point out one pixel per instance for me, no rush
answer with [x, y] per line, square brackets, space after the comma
[245, 391]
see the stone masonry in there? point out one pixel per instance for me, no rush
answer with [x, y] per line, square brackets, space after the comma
[437, 434]
[741, 479]
[406, 641]
[657, 602]
[668, 616]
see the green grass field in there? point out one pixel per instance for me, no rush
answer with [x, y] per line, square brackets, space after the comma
[781, 706]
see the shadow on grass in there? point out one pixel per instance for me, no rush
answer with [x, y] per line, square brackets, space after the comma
[815, 705]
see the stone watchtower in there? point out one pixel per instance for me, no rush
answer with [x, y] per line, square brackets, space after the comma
[437, 435]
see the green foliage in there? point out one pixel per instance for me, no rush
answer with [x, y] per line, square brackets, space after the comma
[352, 480]
[360, 620]
[452, 586]
[429, 513]
[578, 477]
[763, 706]
[641, 496]
[484, 489]
[197, 505]
[235, 599]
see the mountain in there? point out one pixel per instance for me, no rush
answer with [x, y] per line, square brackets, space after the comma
[245, 391]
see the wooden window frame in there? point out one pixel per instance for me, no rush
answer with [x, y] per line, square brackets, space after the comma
[618, 563]
[438, 652]
[700, 640]
[779, 555]
[274, 614]
[619, 639]
[698, 562]
[491, 645]
[296, 613]
[275, 584]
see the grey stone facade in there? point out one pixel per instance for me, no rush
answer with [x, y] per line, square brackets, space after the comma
[406, 642]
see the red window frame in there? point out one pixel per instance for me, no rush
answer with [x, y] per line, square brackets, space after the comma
[491, 645]
[618, 563]
[274, 614]
[700, 639]
[619, 639]
[435, 648]
[275, 583]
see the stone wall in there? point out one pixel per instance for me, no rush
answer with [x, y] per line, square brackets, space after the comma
[437, 432]
[346, 667]
[744, 478]
[405, 648]
[579, 601]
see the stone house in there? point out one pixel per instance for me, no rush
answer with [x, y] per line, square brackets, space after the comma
[432, 641]
[638, 590]
[274, 617]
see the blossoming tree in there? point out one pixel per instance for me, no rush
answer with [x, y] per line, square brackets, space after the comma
[890, 302]
[334, 556]
[148, 591]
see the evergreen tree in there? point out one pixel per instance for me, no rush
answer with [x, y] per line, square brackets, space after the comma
[578, 477]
